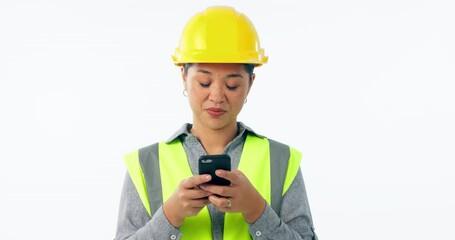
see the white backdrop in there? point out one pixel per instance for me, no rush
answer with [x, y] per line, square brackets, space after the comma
[365, 89]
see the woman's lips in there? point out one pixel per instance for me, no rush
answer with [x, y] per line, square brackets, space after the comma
[215, 112]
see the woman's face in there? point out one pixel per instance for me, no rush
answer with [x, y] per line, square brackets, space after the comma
[216, 93]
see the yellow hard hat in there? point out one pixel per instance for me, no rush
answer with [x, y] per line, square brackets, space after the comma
[219, 35]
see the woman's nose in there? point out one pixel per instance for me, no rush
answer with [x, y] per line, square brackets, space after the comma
[217, 94]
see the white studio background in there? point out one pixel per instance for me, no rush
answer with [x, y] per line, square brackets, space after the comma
[365, 89]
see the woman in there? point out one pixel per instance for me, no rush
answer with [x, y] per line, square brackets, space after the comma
[164, 197]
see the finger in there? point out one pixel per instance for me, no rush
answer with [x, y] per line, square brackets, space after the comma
[215, 189]
[193, 211]
[198, 193]
[233, 176]
[219, 202]
[195, 181]
[199, 203]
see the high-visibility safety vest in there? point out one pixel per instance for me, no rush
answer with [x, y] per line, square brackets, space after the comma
[157, 170]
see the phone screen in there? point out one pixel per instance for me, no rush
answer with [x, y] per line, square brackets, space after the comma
[208, 164]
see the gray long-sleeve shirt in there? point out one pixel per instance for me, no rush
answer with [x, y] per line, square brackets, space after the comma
[295, 221]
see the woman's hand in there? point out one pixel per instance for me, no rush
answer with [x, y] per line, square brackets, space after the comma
[187, 200]
[240, 196]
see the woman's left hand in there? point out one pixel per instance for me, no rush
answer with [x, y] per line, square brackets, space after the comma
[240, 196]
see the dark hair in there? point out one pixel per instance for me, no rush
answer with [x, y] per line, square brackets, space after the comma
[249, 68]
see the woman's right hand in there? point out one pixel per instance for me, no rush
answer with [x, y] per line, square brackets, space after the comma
[187, 200]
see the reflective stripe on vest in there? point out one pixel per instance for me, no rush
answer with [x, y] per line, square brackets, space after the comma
[269, 165]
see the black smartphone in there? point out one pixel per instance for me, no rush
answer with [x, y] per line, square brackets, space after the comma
[209, 163]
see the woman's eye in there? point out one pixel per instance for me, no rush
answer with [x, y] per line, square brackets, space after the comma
[204, 84]
[232, 88]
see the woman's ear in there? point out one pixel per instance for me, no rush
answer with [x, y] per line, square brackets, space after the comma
[253, 76]
[182, 71]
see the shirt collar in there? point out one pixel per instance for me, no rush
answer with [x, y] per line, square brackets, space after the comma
[184, 131]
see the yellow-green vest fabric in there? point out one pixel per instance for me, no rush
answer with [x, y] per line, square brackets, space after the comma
[172, 166]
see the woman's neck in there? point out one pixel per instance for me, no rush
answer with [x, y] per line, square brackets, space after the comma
[214, 141]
